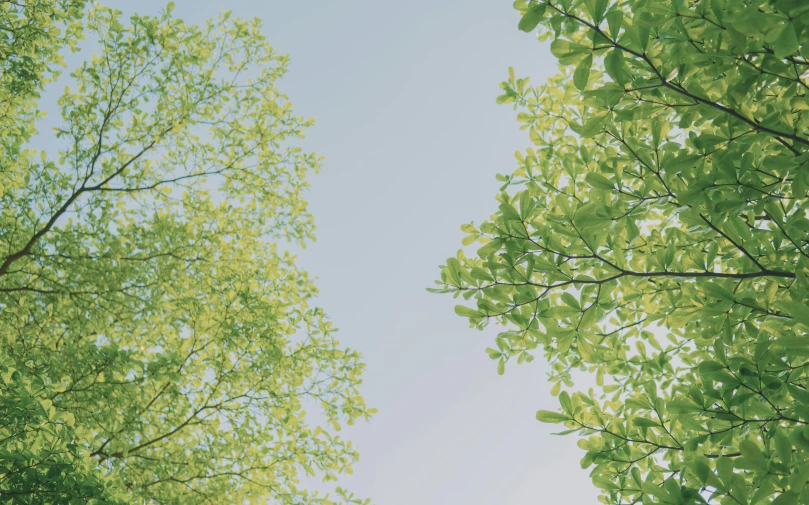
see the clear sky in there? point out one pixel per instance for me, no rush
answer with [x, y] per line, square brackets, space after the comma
[403, 96]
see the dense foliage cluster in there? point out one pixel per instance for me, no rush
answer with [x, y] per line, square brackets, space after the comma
[33, 35]
[656, 234]
[157, 343]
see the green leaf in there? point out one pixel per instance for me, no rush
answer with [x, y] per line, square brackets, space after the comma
[532, 17]
[591, 128]
[707, 367]
[480, 274]
[787, 43]
[798, 312]
[571, 300]
[582, 73]
[564, 400]
[547, 416]
[783, 446]
[490, 248]
[615, 66]
[735, 206]
[464, 311]
[564, 49]
[656, 491]
[724, 467]
[752, 456]
[787, 498]
[701, 469]
[596, 9]
[615, 19]
[599, 181]
[716, 290]
[509, 212]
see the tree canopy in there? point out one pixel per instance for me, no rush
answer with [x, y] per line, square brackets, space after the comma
[159, 343]
[656, 235]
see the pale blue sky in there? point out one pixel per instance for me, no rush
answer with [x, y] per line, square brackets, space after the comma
[403, 97]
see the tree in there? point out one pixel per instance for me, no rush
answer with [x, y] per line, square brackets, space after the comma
[656, 235]
[159, 343]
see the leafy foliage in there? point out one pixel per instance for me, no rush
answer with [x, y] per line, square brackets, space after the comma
[159, 344]
[656, 235]
[33, 35]
[41, 460]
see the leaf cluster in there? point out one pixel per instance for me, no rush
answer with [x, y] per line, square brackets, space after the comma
[655, 234]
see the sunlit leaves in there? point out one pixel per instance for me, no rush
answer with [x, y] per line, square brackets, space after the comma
[532, 17]
[547, 416]
[145, 291]
[41, 454]
[582, 73]
[666, 246]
